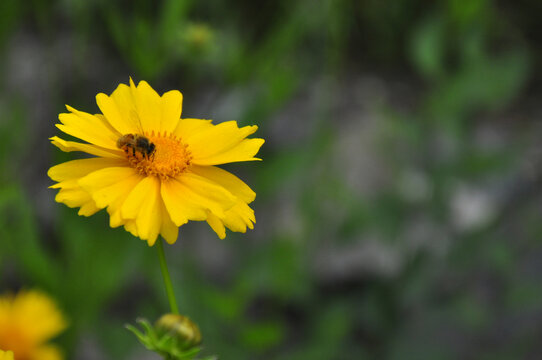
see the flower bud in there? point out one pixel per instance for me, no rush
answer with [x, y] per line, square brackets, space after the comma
[179, 327]
[199, 37]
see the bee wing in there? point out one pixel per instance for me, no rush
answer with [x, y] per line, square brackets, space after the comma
[137, 119]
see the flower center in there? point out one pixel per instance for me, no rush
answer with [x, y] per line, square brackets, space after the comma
[168, 157]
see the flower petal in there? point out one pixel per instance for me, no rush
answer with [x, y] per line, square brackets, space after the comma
[131, 227]
[106, 185]
[168, 230]
[209, 195]
[28, 306]
[68, 175]
[239, 217]
[143, 206]
[172, 106]
[223, 143]
[76, 197]
[68, 146]
[227, 180]
[114, 208]
[200, 195]
[180, 210]
[89, 128]
[73, 196]
[244, 151]
[87, 209]
[79, 168]
[217, 225]
[139, 109]
[188, 127]
[191, 197]
[6, 355]
[147, 104]
[119, 110]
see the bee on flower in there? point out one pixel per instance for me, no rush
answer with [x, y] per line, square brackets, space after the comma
[154, 171]
[28, 320]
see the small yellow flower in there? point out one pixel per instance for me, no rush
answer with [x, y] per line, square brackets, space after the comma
[154, 171]
[27, 321]
[6, 355]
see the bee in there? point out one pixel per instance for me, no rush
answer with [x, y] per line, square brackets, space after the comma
[136, 144]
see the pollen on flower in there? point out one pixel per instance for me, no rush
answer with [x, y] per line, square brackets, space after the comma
[170, 157]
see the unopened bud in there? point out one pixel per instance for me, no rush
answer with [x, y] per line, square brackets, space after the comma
[180, 327]
[199, 36]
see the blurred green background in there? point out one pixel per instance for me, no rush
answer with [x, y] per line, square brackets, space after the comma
[399, 202]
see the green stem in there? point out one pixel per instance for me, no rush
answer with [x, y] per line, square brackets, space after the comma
[167, 279]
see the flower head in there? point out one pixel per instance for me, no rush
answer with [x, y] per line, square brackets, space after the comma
[152, 170]
[27, 321]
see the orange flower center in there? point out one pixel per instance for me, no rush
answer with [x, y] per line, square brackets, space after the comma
[164, 155]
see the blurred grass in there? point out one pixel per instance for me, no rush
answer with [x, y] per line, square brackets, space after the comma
[451, 291]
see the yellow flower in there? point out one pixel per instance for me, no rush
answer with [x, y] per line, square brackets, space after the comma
[6, 355]
[154, 171]
[27, 321]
